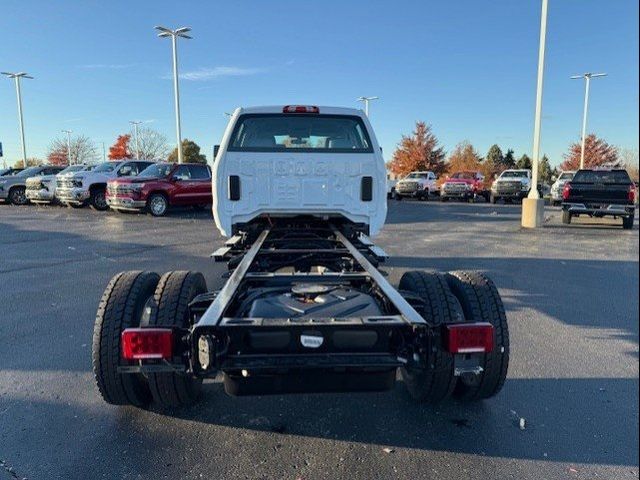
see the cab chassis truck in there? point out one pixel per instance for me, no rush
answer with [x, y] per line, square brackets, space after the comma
[305, 307]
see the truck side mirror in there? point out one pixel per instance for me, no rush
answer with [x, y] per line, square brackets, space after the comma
[216, 149]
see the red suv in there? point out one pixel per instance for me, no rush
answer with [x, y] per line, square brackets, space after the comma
[160, 186]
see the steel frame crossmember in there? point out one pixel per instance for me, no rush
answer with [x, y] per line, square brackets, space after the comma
[215, 313]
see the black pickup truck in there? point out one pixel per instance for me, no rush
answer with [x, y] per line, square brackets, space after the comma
[600, 193]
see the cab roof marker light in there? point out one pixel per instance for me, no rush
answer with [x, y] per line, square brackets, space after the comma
[300, 109]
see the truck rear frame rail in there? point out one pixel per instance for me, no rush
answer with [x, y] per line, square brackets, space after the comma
[359, 352]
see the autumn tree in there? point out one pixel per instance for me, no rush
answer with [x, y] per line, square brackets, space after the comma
[57, 155]
[151, 144]
[190, 153]
[121, 150]
[463, 158]
[31, 162]
[629, 158]
[524, 162]
[83, 150]
[596, 152]
[418, 151]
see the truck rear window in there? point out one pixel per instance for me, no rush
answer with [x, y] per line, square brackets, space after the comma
[299, 132]
[601, 176]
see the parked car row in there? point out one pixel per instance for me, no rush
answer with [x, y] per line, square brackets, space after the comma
[119, 185]
[464, 185]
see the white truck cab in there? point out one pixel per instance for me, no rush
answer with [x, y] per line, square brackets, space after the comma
[89, 186]
[512, 184]
[418, 185]
[283, 161]
[558, 186]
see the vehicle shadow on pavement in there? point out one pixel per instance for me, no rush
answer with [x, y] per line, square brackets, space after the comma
[576, 420]
[416, 212]
[554, 287]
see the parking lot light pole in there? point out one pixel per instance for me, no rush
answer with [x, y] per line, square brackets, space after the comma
[17, 77]
[587, 77]
[366, 101]
[68, 132]
[533, 205]
[135, 133]
[174, 34]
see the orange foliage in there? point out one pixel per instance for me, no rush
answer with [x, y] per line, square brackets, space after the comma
[596, 152]
[418, 152]
[58, 156]
[120, 149]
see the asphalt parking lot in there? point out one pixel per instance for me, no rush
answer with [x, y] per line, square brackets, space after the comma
[572, 301]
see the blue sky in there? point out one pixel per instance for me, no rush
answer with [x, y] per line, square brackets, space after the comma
[467, 67]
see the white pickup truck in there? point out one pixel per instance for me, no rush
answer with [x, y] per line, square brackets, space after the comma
[42, 189]
[80, 188]
[299, 189]
[417, 185]
[511, 185]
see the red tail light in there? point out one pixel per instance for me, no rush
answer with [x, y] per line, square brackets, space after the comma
[469, 338]
[632, 193]
[300, 109]
[147, 343]
[566, 191]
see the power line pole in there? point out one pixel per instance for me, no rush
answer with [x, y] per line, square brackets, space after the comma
[587, 77]
[17, 77]
[366, 101]
[533, 205]
[174, 34]
[135, 129]
[68, 132]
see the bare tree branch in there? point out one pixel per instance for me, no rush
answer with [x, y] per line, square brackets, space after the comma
[83, 150]
[151, 143]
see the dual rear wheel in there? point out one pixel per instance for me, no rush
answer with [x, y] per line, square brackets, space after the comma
[134, 299]
[461, 296]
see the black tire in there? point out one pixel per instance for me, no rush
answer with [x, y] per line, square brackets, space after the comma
[436, 383]
[444, 199]
[17, 196]
[158, 204]
[566, 217]
[172, 296]
[481, 302]
[98, 199]
[122, 306]
[627, 222]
